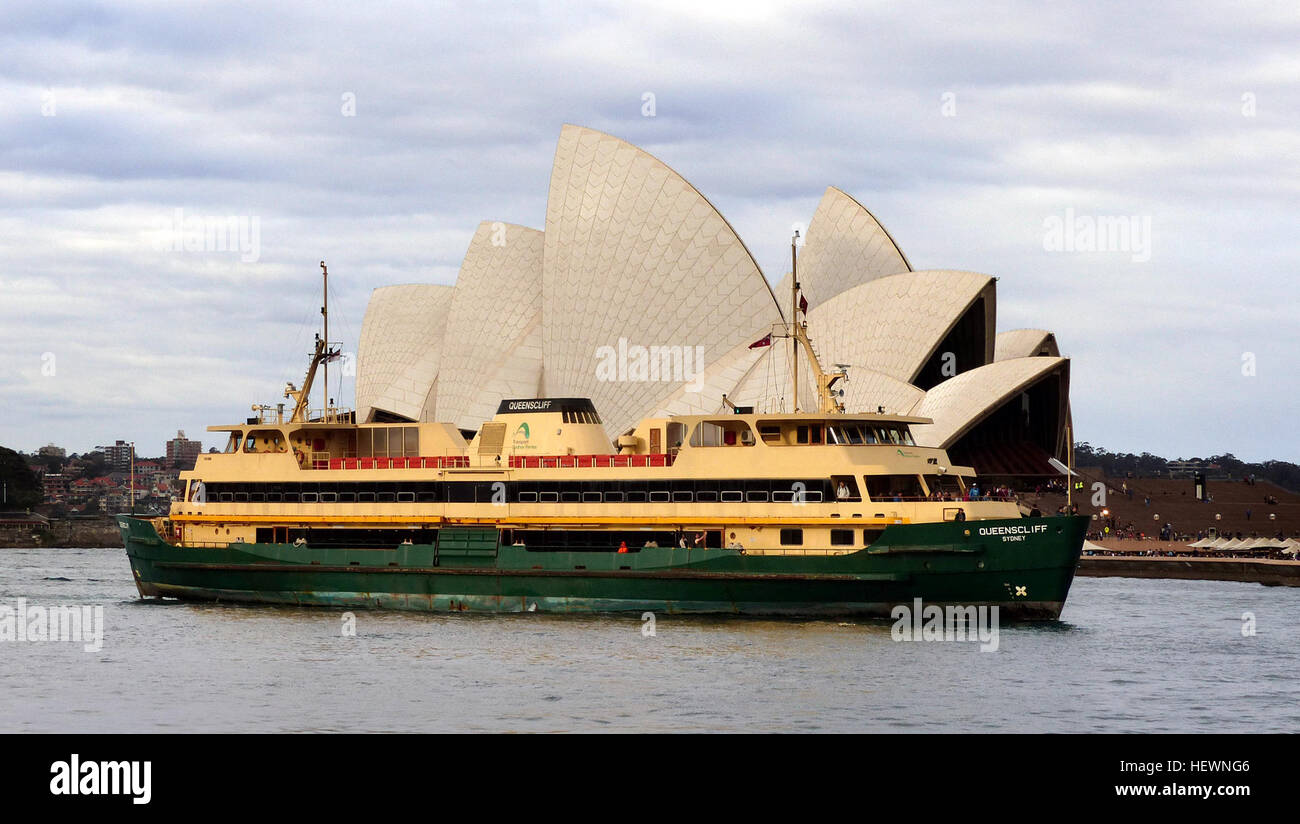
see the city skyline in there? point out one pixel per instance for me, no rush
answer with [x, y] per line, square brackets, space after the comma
[1125, 178]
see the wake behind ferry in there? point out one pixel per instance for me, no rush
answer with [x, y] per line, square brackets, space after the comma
[804, 513]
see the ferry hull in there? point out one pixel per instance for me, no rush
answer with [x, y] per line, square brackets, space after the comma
[1024, 567]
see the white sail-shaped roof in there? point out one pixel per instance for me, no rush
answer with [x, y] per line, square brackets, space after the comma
[492, 343]
[634, 252]
[867, 391]
[1024, 343]
[894, 324]
[400, 348]
[961, 402]
[845, 247]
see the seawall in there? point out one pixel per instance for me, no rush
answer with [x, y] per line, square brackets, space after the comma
[1264, 571]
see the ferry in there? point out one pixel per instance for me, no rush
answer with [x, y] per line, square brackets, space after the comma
[802, 513]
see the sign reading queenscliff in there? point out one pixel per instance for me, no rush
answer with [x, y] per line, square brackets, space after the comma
[529, 406]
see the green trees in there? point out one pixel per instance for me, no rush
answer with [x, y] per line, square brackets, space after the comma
[21, 488]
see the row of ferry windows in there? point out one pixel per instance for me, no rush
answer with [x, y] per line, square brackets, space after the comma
[523, 492]
[839, 537]
[365, 442]
[708, 433]
[579, 416]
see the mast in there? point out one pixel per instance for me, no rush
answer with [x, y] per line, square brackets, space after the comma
[825, 383]
[1069, 475]
[794, 318]
[319, 358]
[325, 312]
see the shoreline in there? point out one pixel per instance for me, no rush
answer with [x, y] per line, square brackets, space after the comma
[1265, 571]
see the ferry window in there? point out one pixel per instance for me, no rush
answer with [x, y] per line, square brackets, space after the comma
[363, 443]
[854, 434]
[380, 442]
[870, 536]
[907, 437]
[565, 414]
[732, 496]
[677, 434]
[869, 434]
[841, 537]
[411, 441]
[801, 435]
[770, 434]
[894, 487]
[792, 537]
[943, 486]
[232, 445]
[815, 434]
[707, 434]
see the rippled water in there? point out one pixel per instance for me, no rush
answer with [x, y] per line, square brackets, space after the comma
[1128, 655]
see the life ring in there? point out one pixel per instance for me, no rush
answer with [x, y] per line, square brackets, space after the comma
[302, 457]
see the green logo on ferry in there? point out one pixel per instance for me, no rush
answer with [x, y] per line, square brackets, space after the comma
[523, 427]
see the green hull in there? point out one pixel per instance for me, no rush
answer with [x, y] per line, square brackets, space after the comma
[1023, 566]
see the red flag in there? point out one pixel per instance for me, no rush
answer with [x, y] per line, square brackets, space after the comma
[803, 304]
[766, 340]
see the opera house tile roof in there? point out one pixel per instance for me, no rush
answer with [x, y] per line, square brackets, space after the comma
[633, 262]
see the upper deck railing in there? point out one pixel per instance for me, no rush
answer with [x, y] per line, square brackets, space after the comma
[322, 460]
[271, 415]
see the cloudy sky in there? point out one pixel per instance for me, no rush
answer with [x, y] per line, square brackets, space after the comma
[377, 137]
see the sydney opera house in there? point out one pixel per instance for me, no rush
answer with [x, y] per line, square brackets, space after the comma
[632, 256]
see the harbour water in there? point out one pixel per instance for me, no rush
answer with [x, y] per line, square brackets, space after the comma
[1128, 655]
